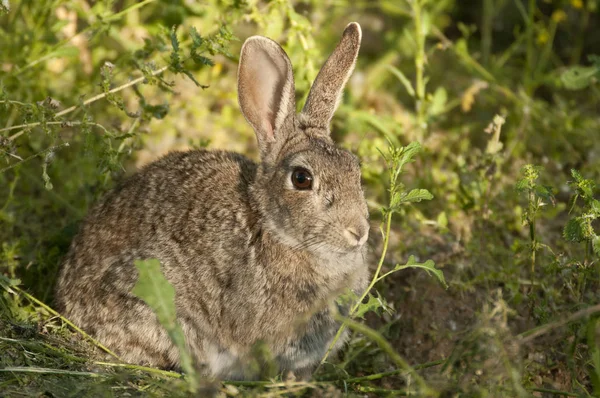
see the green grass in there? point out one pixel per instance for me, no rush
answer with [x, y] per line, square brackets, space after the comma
[502, 95]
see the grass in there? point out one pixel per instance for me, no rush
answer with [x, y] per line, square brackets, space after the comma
[502, 96]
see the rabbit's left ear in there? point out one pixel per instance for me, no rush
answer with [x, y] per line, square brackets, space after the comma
[326, 91]
[265, 88]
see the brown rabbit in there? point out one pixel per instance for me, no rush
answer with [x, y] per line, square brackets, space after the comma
[249, 248]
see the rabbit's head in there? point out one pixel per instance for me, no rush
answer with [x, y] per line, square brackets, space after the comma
[308, 190]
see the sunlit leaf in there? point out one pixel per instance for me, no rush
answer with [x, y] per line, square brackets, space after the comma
[573, 231]
[438, 101]
[580, 77]
[373, 304]
[403, 79]
[159, 294]
[428, 266]
[416, 195]
[596, 245]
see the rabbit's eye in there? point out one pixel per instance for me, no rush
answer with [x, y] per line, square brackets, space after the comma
[302, 179]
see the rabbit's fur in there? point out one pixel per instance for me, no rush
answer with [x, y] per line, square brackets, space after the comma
[251, 257]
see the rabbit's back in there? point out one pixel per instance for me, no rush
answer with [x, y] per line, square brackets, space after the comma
[191, 211]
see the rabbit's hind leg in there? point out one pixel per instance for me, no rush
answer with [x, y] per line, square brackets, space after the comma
[126, 325]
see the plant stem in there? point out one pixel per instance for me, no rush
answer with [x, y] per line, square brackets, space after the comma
[486, 31]
[43, 347]
[384, 391]
[374, 280]
[86, 102]
[540, 330]
[532, 231]
[378, 376]
[65, 320]
[389, 350]
[28, 369]
[14, 102]
[555, 392]
[578, 48]
[52, 148]
[141, 368]
[530, 49]
[65, 123]
[419, 66]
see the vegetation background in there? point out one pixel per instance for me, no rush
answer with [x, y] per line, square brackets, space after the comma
[503, 96]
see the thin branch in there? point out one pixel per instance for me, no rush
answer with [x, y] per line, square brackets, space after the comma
[14, 102]
[374, 280]
[65, 124]
[377, 376]
[556, 392]
[536, 332]
[86, 102]
[43, 347]
[114, 90]
[33, 156]
[65, 320]
[386, 347]
[31, 369]
[141, 368]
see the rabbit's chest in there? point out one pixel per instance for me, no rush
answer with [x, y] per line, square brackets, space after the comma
[307, 349]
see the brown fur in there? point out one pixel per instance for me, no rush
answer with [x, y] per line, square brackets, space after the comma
[249, 255]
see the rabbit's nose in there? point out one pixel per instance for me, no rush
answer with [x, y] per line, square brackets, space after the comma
[357, 236]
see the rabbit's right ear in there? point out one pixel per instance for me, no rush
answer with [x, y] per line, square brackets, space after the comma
[326, 91]
[265, 88]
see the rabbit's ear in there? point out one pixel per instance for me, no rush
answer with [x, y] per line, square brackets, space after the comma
[326, 91]
[265, 88]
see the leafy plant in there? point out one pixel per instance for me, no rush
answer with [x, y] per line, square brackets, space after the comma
[537, 196]
[396, 159]
[580, 228]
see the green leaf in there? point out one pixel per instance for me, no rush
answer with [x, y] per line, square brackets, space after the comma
[47, 159]
[438, 101]
[174, 40]
[416, 195]
[573, 231]
[373, 304]
[442, 220]
[596, 245]
[428, 266]
[409, 152]
[595, 207]
[7, 282]
[462, 51]
[201, 60]
[175, 58]
[197, 40]
[585, 187]
[159, 294]
[580, 77]
[403, 79]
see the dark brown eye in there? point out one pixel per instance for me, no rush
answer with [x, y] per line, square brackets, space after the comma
[302, 179]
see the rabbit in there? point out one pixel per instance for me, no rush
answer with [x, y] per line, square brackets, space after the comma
[256, 252]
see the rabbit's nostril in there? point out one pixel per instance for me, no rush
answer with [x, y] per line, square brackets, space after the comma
[356, 236]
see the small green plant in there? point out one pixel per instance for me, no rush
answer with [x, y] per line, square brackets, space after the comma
[159, 294]
[580, 228]
[428, 105]
[396, 159]
[537, 197]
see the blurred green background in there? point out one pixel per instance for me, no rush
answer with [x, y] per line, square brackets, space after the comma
[487, 87]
